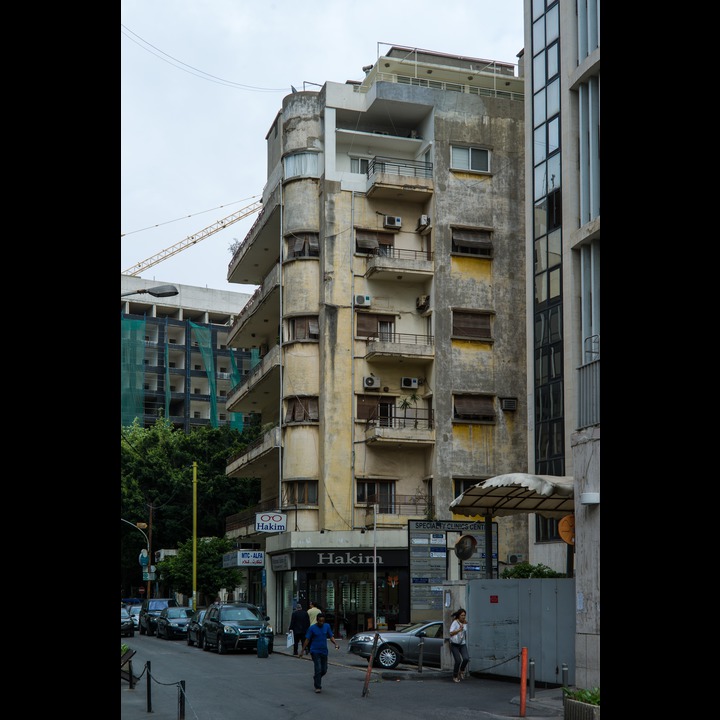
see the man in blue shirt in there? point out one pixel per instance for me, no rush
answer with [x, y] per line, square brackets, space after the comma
[316, 637]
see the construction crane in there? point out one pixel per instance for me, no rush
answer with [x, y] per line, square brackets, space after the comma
[192, 239]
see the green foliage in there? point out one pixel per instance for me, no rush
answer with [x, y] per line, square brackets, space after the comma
[592, 696]
[177, 570]
[123, 649]
[156, 471]
[526, 570]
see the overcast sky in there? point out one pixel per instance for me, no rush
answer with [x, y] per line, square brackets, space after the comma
[202, 81]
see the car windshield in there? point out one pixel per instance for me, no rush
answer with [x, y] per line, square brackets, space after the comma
[124, 613]
[177, 612]
[135, 610]
[157, 604]
[238, 614]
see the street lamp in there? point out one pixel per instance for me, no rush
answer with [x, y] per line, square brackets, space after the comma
[158, 291]
[147, 541]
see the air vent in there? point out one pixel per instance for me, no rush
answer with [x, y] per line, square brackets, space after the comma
[508, 403]
[371, 382]
[408, 382]
[363, 300]
[515, 558]
[392, 221]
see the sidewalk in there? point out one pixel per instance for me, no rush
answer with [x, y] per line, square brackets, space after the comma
[498, 701]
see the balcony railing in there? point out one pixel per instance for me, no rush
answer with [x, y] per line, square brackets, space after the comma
[417, 419]
[399, 166]
[418, 506]
[247, 517]
[387, 251]
[588, 378]
[402, 338]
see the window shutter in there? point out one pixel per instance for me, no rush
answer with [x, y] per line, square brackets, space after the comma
[300, 328]
[299, 244]
[466, 405]
[472, 238]
[471, 324]
[366, 240]
[367, 325]
[314, 327]
[314, 243]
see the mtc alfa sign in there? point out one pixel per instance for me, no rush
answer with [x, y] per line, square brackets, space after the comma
[270, 522]
[244, 558]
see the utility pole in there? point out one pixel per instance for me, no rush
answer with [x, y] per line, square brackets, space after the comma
[150, 559]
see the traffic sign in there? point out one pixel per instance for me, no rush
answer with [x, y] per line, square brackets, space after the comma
[148, 576]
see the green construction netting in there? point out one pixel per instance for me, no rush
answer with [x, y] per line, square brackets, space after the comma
[132, 369]
[236, 419]
[203, 337]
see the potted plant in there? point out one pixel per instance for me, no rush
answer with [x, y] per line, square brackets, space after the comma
[405, 403]
[581, 704]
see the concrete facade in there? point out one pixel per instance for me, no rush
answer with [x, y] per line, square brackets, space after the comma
[393, 360]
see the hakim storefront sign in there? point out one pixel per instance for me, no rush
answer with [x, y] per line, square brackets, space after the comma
[270, 522]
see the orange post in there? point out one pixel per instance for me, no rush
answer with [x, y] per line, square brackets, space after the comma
[523, 680]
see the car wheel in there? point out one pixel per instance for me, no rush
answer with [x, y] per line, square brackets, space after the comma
[387, 657]
[204, 644]
[200, 641]
[220, 649]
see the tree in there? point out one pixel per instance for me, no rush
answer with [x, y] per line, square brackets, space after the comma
[176, 572]
[526, 570]
[156, 477]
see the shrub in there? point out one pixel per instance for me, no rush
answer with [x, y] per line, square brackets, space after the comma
[123, 649]
[526, 570]
[592, 696]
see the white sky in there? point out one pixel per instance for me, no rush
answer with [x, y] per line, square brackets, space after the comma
[202, 81]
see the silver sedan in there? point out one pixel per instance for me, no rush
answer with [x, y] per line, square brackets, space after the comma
[396, 646]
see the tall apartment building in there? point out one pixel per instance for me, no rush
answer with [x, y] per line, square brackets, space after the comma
[390, 325]
[562, 137]
[175, 358]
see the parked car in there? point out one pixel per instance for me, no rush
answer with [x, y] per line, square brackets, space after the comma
[150, 611]
[194, 628]
[127, 627]
[235, 626]
[396, 646]
[173, 622]
[134, 611]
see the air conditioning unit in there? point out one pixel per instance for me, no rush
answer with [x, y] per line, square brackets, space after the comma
[422, 302]
[363, 300]
[408, 382]
[424, 220]
[391, 221]
[515, 558]
[371, 382]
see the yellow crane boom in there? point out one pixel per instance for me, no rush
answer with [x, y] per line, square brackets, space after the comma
[192, 239]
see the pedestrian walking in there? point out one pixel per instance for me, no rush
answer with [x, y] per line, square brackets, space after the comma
[313, 611]
[458, 644]
[299, 624]
[316, 639]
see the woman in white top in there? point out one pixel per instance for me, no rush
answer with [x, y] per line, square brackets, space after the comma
[458, 644]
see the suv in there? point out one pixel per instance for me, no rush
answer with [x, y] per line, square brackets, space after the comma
[235, 626]
[150, 611]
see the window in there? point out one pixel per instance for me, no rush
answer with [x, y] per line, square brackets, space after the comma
[377, 492]
[474, 407]
[472, 324]
[300, 492]
[460, 486]
[359, 165]
[375, 408]
[546, 529]
[369, 242]
[302, 409]
[376, 327]
[303, 245]
[472, 242]
[304, 163]
[303, 328]
[470, 158]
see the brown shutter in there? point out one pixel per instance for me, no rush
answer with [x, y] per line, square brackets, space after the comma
[367, 325]
[366, 240]
[471, 324]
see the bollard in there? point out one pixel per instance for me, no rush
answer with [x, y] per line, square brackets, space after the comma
[148, 683]
[132, 679]
[181, 700]
[531, 677]
[564, 674]
[523, 680]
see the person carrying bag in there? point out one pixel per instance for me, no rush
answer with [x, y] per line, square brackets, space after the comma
[458, 644]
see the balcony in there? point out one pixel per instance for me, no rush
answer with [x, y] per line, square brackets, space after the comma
[399, 179]
[411, 428]
[243, 523]
[259, 390]
[387, 262]
[397, 510]
[419, 348]
[258, 321]
[259, 459]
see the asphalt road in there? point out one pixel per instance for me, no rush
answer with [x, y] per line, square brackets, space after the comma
[225, 687]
